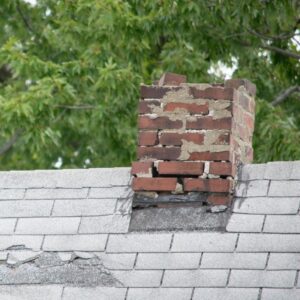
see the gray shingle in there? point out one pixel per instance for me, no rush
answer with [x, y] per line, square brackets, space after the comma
[93, 293]
[252, 172]
[48, 225]
[117, 261]
[234, 260]
[153, 261]
[280, 170]
[284, 188]
[20, 208]
[267, 205]
[86, 207]
[245, 223]
[257, 188]
[204, 241]
[225, 294]
[280, 294]
[7, 226]
[105, 224]
[241, 189]
[94, 242]
[282, 224]
[10, 194]
[102, 177]
[195, 278]
[139, 242]
[295, 170]
[259, 278]
[56, 193]
[251, 242]
[159, 294]
[28, 241]
[113, 192]
[135, 278]
[284, 261]
[32, 292]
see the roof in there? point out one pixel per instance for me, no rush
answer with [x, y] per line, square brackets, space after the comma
[64, 235]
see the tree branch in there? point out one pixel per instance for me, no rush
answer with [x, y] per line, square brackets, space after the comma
[24, 19]
[15, 137]
[285, 94]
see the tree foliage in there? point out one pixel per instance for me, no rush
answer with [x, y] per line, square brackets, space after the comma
[70, 72]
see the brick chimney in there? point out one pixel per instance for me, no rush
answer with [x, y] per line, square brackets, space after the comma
[192, 137]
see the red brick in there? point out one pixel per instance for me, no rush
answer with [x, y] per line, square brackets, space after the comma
[159, 153]
[181, 168]
[207, 185]
[219, 199]
[224, 155]
[236, 83]
[171, 138]
[209, 123]
[223, 139]
[148, 138]
[158, 123]
[249, 121]
[221, 168]
[154, 184]
[171, 79]
[141, 167]
[145, 106]
[217, 93]
[155, 92]
[192, 108]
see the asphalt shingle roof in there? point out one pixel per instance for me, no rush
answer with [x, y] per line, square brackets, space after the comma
[64, 235]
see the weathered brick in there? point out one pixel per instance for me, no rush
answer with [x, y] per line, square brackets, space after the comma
[261, 278]
[139, 242]
[159, 153]
[175, 139]
[204, 242]
[249, 121]
[155, 92]
[219, 198]
[159, 293]
[160, 261]
[223, 155]
[236, 83]
[207, 185]
[181, 168]
[146, 107]
[195, 278]
[93, 293]
[48, 225]
[244, 101]
[209, 123]
[217, 93]
[154, 184]
[225, 294]
[221, 168]
[146, 122]
[192, 108]
[148, 138]
[171, 79]
[234, 260]
[142, 168]
[83, 242]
